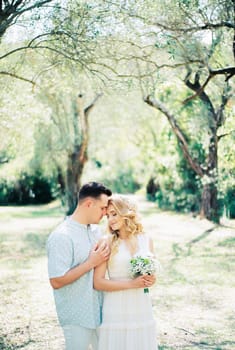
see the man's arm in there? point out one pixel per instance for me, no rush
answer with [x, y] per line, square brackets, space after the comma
[98, 255]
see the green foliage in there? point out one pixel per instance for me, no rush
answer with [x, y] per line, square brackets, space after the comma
[177, 186]
[179, 199]
[229, 202]
[122, 181]
[226, 178]
[189, 193]
[27, 189]
[180, 190]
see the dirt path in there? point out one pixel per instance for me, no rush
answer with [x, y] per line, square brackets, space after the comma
[193, 300]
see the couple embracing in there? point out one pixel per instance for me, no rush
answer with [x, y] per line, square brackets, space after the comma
[99, 306]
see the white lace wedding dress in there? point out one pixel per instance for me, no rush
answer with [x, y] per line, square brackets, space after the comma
[128, 321]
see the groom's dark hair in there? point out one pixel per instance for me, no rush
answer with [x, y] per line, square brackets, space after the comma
[93, 189]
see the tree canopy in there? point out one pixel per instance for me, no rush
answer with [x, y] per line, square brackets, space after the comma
[175, 56]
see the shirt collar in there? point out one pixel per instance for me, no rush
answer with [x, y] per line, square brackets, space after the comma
[76, 223]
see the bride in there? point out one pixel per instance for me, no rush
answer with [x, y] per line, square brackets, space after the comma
[127, 315]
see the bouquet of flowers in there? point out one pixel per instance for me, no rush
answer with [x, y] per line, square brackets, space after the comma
[144, 265]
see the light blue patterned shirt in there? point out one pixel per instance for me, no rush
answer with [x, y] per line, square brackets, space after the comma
[68, 246]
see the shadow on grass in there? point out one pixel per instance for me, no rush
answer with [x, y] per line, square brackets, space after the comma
[5, 344]
[228, 242]
[31, 211]
[213, 346]
[35, 244]
[186, 249]
[31, 245]
[51, 212]
[149, 211]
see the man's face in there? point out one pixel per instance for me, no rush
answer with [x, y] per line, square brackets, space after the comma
[98, 208]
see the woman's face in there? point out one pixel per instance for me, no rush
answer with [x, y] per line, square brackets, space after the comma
[115, 220]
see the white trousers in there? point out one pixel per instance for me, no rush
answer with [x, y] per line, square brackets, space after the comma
[80, 338]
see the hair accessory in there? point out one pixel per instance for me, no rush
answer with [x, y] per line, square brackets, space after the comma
[131, 206]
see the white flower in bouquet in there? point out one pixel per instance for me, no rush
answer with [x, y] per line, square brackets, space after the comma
[144, 265]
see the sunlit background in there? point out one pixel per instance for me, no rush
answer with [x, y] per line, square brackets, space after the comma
[138, 95]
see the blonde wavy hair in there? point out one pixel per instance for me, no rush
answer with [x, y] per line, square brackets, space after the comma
[127, 209]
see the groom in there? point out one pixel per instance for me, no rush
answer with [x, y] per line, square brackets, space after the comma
[73, 252]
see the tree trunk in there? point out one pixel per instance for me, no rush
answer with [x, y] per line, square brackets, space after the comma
[74, 173]
[61, 181]
[209, 207]
[208, 171]
[209, 203]
[78, 157]
[152, 188]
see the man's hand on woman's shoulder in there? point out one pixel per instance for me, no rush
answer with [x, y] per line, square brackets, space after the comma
[99, 253]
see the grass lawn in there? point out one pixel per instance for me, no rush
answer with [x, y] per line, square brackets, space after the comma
[193, 300]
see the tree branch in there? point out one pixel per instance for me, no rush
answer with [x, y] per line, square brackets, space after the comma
[205, 26]
[225, 134]
[178, 133]
[91, 105]
[199, 89]
[10, 11]
[13, 75]
[228, 71]
[200, 93]
[226, 95]
[37, 4]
